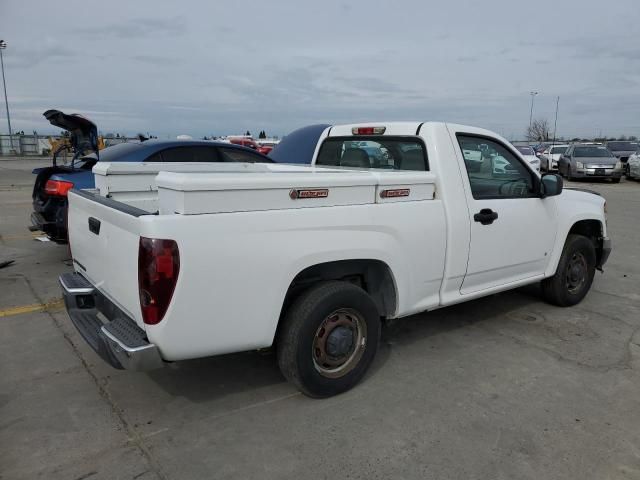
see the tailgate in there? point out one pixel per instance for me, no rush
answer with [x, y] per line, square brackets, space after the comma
[104, 237]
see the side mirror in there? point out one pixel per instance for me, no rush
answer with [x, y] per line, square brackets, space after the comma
[550, 185]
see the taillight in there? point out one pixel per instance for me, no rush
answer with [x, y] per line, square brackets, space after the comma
[57, 187]
[66, 224]
[368, 130]
[158, 268]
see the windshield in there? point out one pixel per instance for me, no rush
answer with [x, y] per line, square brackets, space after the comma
[526, 150]
[558, 150]
[622, 146]
[591, 152]
[396, 153]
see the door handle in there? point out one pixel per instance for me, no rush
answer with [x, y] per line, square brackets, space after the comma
[94, 225]
[486, 216]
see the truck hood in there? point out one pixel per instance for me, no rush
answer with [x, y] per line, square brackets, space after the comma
[587, 197]
[84, 133]
[585, 190]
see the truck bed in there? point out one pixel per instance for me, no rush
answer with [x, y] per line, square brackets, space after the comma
[237, 229]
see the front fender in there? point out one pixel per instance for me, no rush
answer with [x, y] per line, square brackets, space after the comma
[573, 207]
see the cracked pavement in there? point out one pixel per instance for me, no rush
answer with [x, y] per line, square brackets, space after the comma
[499, 388]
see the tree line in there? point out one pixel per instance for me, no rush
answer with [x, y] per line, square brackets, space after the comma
[539, 131]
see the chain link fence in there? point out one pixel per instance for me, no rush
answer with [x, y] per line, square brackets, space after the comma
[34, 145]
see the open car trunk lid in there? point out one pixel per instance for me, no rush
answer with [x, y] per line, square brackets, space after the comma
[84, 133]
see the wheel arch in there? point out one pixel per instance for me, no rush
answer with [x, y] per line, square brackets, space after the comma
[591, 228]
[594, 231]
[372, 275]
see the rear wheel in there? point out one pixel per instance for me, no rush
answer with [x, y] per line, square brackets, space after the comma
[574, 274]
[328, 338]
[615, 180]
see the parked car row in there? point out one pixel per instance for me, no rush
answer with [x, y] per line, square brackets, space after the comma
[592, 160]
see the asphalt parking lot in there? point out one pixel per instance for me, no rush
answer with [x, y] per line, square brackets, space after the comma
[499, 388]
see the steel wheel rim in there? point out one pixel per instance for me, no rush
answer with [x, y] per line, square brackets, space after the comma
[338, 322]
[576, 274]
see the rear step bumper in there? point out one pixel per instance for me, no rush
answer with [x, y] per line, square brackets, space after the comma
[39, 222]
[55, 231]
[118, 341]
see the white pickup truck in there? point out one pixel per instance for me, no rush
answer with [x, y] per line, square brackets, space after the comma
[391, 220]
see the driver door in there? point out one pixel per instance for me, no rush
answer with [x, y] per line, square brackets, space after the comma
[512, 228]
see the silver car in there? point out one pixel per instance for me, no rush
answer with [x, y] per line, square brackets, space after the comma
[633, 166]
[590, 161]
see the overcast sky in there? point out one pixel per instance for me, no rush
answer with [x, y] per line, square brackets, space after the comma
[224, 67]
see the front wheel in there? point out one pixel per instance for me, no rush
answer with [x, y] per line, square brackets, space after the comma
[615, 180]
[328, 338]
[574, 274]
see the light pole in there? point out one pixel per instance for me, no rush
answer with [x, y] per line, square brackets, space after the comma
[555, 123]
[533, 94]
[3, 45]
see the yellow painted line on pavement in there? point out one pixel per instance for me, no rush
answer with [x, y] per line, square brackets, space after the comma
[22, 236]
[38, 307]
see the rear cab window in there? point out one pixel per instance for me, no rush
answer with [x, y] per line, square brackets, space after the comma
[385, 152]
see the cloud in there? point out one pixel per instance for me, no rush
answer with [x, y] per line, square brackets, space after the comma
[169, 68]
[157, 60]
[137, 28]
[42, 52]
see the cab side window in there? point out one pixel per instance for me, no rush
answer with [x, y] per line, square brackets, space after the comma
[494, 171]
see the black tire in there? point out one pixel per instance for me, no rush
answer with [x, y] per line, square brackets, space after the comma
[615, 180]
[300, 335]
[565, 289]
